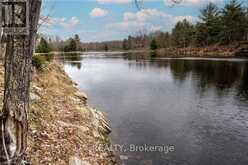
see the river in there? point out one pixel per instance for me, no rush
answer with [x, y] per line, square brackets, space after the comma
[198, 108]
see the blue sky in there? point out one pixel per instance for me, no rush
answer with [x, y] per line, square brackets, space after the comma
[103, 20]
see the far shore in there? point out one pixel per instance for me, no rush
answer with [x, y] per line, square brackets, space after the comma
[208, 52]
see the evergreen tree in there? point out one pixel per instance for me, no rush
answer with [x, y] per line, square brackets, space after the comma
[183, 33]
[106, 47]
[130, 42]
[43, 46]
[125, 44]
[210, 27]
[164, 40]
[78, 42]
[167, 39]
[71, 45]
[153, 45]
[235, 22]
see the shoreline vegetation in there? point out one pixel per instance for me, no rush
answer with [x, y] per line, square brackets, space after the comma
[209, 52]
[63, 128]
[236, 51]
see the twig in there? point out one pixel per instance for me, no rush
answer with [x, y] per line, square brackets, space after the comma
[44, 19]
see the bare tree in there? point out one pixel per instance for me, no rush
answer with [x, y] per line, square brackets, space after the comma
[18, 61]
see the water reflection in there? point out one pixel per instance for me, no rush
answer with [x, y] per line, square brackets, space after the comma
[76, 64]
[73, 59]
[220, 75]
[243, 87]
[199, 106]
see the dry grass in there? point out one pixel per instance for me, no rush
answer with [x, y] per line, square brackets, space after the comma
[60, 122]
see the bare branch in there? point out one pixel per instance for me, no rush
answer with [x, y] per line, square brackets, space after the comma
[45, 19]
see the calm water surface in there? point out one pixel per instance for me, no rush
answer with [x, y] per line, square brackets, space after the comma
[199, 106]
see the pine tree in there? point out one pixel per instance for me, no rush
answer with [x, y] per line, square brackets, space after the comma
[43, 46]
[153, 45]
[210, 27]
[78, 42]
[234, 21]
[125, 44]
[183, 33]
[71, 45]
[106, 48]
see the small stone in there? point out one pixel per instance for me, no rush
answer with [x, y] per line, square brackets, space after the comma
[37, 89]
[81, 95]
[34, 97]
[77, 161]
[123, 157]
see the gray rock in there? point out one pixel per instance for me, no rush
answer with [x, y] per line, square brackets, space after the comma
[76, 161]
[37, 89]
[34, 97]
[123, 157]
[81, 95]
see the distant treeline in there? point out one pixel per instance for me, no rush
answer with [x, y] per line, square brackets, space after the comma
[215, 26]
[46, 44]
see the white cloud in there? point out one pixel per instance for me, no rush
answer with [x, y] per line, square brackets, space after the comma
[156, 28]
[98, 12]
[63, 22]
[115, 1]
[71, 23]
[148, 20]
[143, 15]
[188, 18]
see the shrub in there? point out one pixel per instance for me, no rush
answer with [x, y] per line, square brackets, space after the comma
[43, 46]
[71, 45]
[38, 61]
[48, 56]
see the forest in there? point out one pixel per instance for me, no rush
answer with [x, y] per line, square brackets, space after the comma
[215, 26]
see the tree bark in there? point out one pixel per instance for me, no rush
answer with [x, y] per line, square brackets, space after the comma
[18, 63]
[2, 51]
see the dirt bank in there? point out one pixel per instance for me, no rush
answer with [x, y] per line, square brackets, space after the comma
[63, 129]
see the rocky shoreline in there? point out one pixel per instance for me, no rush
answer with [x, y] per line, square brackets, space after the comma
[63, 128]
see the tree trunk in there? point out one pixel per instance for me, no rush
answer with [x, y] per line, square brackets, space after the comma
[2, 51]
[18, 63]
